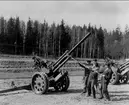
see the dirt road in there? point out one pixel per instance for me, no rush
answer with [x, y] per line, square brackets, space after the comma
[119, 96]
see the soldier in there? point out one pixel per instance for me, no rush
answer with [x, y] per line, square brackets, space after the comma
[42, 63]
[95, 66]
[85, 77]
[93, 79]
[105, 79]
[86, 74]
[39, 62]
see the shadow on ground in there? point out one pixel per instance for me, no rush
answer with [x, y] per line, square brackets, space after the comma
[69, 91]
[26, 87]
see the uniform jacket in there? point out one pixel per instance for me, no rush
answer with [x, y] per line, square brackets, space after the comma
[108, 74]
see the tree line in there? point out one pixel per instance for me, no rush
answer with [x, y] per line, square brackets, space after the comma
[26, 38]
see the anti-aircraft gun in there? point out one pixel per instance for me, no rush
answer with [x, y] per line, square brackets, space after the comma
[56, 77]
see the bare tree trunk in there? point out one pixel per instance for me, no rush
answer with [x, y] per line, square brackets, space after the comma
[90, 48]
[39, 45]
[24, 44]
[93, 52]
[53, 44]
[59, 45]
[82, 50]
[77, 48]
[84, 47]
[98, 52]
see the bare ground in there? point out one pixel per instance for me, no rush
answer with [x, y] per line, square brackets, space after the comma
[119, 95]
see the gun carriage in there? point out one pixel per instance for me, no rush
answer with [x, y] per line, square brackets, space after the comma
[55, 77]
[120, 73]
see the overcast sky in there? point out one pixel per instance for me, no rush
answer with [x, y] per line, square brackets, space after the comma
[107, 13]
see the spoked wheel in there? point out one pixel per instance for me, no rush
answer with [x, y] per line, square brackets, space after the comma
[40, 83]
[123, 79]
[115, 78]
[63, 84]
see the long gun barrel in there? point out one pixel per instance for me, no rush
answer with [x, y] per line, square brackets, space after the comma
[65, 57]
[79, 43]
[56, 78]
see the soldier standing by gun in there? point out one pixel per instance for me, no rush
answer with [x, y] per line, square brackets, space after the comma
[86, 75]
[93, 79]
[105, 79]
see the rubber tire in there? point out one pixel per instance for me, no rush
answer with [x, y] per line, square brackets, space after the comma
[45, 80]
[115, 78]
[127, 78]
[65, 82]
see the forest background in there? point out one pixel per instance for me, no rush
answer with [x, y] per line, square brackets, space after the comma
[51, 41]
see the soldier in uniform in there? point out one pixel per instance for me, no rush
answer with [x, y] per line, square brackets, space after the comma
[105, 79]
[93, 79]
[85, 77]
[86, 74]
[43, 63]
[39, 62]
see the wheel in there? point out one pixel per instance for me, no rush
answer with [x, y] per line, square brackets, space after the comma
[66, 82]
[63, 84]
[124, 78]
[115, 78]
[40, 83]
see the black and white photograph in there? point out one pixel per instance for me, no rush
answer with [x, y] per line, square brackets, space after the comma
[69, 52]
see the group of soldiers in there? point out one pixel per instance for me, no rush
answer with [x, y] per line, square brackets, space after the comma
[95, 78]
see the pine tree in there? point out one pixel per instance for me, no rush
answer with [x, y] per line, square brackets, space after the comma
[2, 34]
[36, 36]
[29, 38]
[11, 35]
[18, 37]
[44, 39]
[23, 34]
[51, 40]
[100, 37]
